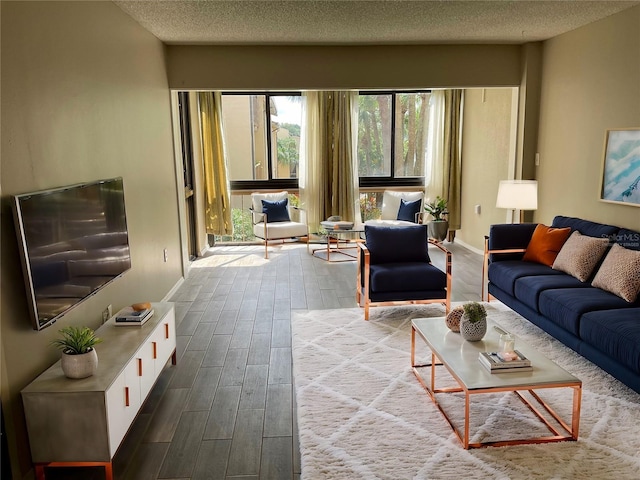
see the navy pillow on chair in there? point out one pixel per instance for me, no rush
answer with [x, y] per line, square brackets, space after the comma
[408, 210]
[397, 244]
[276, 211]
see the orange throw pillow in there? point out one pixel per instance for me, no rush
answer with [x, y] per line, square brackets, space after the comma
[545, 244]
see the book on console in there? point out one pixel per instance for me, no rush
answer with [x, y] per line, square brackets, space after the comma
[128, 316]
[493, 361]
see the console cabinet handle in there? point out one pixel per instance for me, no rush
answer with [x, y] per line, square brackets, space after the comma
[166, 330]
[155, 349]
[126, 396]
[139, 367]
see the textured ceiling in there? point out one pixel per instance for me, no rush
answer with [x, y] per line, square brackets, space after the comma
[363, 22]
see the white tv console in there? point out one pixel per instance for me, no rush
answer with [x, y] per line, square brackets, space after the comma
[82, 422]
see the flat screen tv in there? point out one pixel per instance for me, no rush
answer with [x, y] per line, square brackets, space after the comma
[73, 241]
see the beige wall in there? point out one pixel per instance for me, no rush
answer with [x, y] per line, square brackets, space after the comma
[345, 67]
[590, 82]
[84, 96]
[485, 159]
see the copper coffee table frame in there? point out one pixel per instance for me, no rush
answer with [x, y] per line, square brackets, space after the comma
[570, 432]
[334, 244]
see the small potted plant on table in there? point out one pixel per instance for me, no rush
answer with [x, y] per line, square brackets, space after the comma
[473, 324]
[439, 226]
[79, 358]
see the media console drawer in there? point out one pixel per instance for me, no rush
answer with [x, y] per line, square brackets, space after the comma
[79, 421]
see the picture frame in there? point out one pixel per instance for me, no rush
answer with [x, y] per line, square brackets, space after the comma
[620, 179]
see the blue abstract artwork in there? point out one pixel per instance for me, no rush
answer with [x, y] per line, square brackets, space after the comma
[621, 173]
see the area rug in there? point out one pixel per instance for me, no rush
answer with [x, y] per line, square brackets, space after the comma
[363, 415]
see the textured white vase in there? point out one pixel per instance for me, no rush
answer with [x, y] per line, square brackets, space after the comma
[80, 366]
[472, 331]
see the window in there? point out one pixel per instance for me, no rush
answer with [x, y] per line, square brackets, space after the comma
[392, 138]
[262, 138]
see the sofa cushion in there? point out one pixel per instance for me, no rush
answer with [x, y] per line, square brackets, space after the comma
[528, 289]
[620, 273]
[408, 210]
[397, 244]
[585, 227]
[545, 244]
[406, 277]
[616, 333]
[565, 306]
[504, 274]
[276, 211]
[580, 254]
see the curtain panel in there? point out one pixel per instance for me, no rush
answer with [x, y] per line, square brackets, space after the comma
[328, 183]
[444, 156]
[217, 197]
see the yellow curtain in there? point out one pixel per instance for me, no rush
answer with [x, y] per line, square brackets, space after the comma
[452, 155]
[217, 198]
[328, 179]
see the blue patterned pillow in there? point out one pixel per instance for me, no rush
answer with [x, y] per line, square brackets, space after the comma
[408, 210]
[276, 211]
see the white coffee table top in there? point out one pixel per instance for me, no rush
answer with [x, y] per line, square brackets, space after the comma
[461, 358]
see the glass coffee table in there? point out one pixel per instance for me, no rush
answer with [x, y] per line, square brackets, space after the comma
[460, 358]
[341, 241]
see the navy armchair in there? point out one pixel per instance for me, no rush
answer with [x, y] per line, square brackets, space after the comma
[394, 268]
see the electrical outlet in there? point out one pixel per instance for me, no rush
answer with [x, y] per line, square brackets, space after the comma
[166, 255]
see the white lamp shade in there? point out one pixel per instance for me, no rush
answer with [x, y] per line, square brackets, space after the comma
[518, 194]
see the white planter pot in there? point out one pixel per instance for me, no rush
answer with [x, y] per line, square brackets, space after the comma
[472, 331]
[80, 366]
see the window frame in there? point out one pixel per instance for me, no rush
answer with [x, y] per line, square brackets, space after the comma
[270, 182]
[391, 180]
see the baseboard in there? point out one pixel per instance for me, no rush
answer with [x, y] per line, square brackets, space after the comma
[173, 290]
[469, 247]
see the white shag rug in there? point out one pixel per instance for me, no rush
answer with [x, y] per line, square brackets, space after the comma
[363, 415]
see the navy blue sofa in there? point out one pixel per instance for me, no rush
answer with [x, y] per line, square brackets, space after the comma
[597, 324]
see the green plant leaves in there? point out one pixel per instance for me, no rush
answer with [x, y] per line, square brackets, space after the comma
[76, 340]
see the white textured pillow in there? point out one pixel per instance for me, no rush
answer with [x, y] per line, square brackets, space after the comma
[620, 273]
[580, 255]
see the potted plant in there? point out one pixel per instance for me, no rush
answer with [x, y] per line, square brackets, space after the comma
[439, 226]
[79, 358]
[473, 324]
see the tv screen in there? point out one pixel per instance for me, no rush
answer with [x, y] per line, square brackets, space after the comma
[73, 241]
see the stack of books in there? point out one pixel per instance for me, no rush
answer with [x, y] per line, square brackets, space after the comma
[495, 362]
[130, 317]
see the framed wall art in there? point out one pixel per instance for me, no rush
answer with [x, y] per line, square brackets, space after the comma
[621, 167]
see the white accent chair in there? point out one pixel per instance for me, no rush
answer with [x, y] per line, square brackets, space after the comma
[278, 230]
[391, 204]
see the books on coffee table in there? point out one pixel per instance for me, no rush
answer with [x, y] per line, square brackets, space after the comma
[495, 362]
[130, 317]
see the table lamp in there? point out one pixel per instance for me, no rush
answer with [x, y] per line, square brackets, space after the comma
[518, 195]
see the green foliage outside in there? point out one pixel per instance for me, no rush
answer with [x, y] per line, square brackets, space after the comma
[374, 134]
[369, 206]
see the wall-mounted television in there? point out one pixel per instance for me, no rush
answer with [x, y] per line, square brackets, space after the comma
[73, 241]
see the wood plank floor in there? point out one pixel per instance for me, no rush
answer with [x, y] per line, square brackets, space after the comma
[227, 409]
